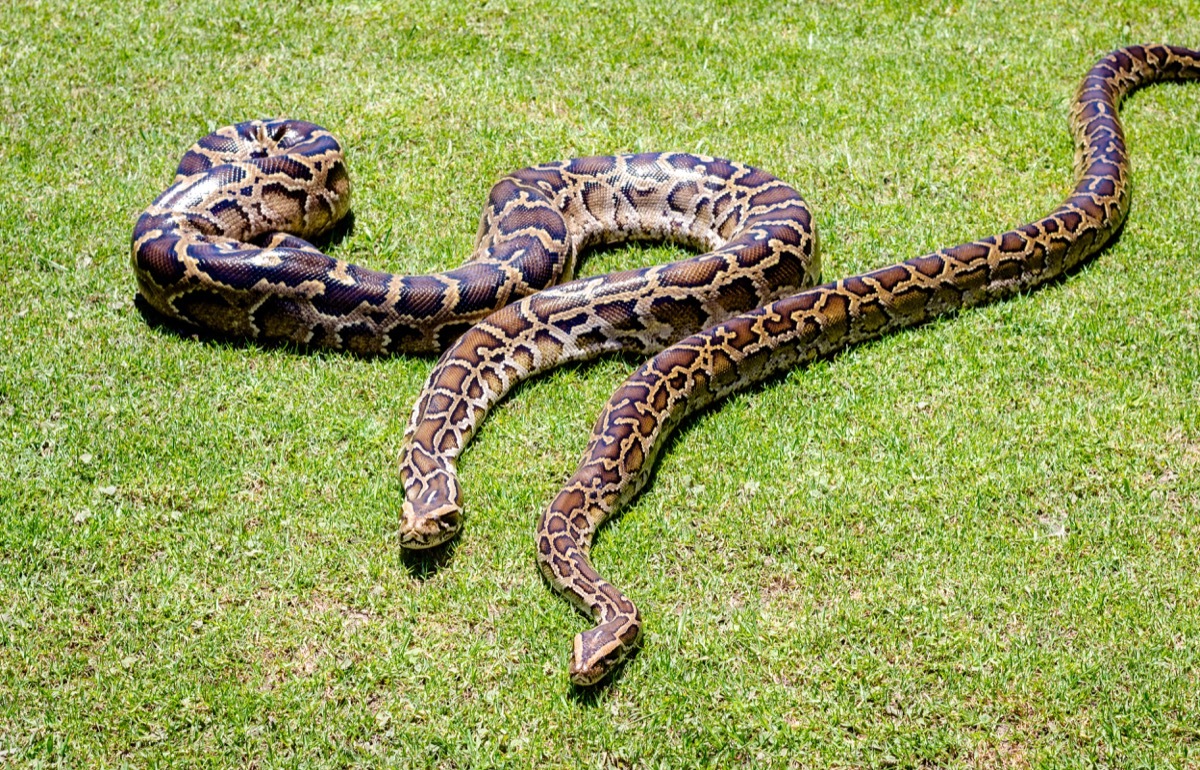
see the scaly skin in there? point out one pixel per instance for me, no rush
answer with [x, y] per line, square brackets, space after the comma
[762, 246]
[225, 248]
[819, 322]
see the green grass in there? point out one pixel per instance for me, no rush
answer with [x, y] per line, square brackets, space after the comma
[974, 544]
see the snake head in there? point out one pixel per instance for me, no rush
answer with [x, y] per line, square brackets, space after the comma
[428, 526]
[598, 651]
[433, 511]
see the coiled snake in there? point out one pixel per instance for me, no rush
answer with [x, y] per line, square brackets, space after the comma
[223, 249]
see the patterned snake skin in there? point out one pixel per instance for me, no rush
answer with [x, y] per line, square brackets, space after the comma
[763, 247]
[744, 350]
[223, 248]
[226, 248]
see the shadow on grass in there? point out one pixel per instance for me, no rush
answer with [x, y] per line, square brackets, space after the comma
[426, 563]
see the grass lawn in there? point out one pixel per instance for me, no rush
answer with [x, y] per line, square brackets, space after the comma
[974, 544]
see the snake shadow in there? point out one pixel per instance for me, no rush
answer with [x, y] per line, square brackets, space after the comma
[426, 563]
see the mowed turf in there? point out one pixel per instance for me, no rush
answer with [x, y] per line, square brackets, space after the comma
[973, 544]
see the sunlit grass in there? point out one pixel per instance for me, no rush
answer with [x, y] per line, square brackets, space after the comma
[972, 544]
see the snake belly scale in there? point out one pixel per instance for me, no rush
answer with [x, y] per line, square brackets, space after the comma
[817, 322]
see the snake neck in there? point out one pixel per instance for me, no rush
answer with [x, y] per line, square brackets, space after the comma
[565, 534]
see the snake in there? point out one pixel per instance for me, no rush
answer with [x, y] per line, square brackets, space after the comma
[227, 248]
[761, 245]
[820, 321]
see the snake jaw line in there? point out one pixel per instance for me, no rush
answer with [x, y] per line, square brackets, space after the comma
[429, 528]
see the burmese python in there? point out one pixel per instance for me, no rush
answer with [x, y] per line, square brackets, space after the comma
[763, 247]
[746, 349]
[224, 248]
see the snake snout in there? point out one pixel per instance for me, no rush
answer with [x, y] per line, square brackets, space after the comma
[429, 528]
[587, 674]
[598, 651]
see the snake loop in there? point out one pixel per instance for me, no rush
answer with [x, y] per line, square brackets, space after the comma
[226, 247]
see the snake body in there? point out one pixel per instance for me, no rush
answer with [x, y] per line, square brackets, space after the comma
[761, 247]
[225, 248]
[746, 349]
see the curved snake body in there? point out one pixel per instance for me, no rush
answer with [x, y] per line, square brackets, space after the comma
[225, 247]
[762, 246]
[820, 321]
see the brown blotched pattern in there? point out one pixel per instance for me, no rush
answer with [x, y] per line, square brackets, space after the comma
[743, 350]
[762, 245]
[224, 248]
